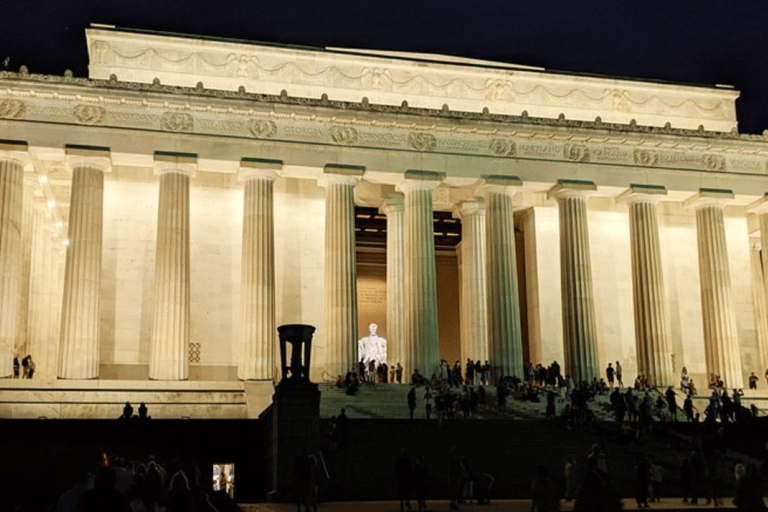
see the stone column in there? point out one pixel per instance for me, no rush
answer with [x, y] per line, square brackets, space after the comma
[27, 220]
[579, 330]
[721, 344]
[761, 307]
[759, 255]
[169, 344]
[13, 157]
[79, 347]
[340, 268]
[652, 344]
[504, 331]
[474, 305]
[394, 209]
[257, 285]
[422, 335]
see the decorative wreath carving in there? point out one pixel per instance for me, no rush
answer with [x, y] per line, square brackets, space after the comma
[262, 129]
[576, 152]
[343, 134]
[646, 158]
[12, 109]
[503, 147]
[90, 114]
[422, 141]
[176, 122]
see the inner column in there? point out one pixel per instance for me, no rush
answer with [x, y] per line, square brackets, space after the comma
[169, 344]
[579, 330]
[394, 209]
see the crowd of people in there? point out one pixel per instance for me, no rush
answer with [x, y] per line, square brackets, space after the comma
[121, 485]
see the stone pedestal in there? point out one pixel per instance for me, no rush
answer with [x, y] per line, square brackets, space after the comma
[292, 422]
[257, 290]
[422, 335]
[340, 268]
[653, 348]
[504, 330]
[394, 209]
[579, 330]
[721, 343]
[13, 156]
[79, 351]
[169, 344]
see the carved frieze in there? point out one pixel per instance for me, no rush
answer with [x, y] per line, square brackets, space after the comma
[12, 109]
[503, 147]
[576, 152]
[646, 158]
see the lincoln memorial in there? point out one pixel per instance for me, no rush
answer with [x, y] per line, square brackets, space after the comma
[160, 218]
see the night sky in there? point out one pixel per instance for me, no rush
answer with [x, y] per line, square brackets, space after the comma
[705, 42]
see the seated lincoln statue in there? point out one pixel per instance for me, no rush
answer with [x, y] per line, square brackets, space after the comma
[372, 347]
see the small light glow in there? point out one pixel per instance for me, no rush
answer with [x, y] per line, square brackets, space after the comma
[43, 179]
[60, 224]
[52, 203]
[66, 242]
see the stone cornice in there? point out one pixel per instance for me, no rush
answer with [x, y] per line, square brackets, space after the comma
[112, 104]
[386, 78]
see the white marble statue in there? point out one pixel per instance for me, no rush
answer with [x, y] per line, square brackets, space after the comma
[372, 347]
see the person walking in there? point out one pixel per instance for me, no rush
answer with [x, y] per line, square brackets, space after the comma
[619, 382]
[412, 400]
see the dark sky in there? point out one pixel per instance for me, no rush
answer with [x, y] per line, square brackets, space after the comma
[701, 41]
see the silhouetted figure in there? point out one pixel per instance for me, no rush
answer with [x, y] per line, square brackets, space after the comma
[143, 416]
[103, 496]
[412, 401]
[127, 411]
[642, 481]
[303, 481]
[421, 482]
[16, 367]
[403, 479]
[748, 494]
[179, 494]
[545, 496]
[30, 367]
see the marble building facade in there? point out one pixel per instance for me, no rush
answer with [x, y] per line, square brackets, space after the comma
[160, 218]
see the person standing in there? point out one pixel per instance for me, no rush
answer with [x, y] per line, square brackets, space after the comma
[569, 474]
[412, 402]
[421, 482]
[753, 381]
[619, 382]
[403, 479]
[609, 372]
[30, 367]
[428, 402]
[17, 367]
[399, 373]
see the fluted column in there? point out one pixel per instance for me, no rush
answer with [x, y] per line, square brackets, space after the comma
[761, 307]
[22, 337]
[13, 157]
[40, 277]
[169, 344]
[579, 330]
[79, 354]
[422, 334]
[474, 299]
[394, 209]
[505, 332]
[340, 268]
[760, 277]
[652, 345]
[257, 284]
[721, 344]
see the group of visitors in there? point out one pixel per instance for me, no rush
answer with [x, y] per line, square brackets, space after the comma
[24, 368]
[121, 485]
[369, 374]
[129, 416]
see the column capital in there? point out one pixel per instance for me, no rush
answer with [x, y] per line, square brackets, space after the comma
[498, 184]
[709, 197]
[395, 202]
[251, 168]
[642, 193]
[184, 163]
[14, 150]
[565, 189]
[415, 179]
[341, 174]
[468, 208]
[760, 206]
[92, 156]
